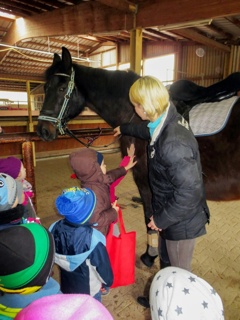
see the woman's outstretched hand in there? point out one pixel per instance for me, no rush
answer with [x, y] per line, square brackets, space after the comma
[116, 131]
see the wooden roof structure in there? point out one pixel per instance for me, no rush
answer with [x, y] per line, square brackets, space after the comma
[31, 31]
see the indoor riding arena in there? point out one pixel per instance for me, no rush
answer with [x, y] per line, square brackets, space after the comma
[66, 69]
[216, 257]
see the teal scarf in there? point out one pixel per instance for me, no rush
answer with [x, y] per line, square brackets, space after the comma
[153, 125]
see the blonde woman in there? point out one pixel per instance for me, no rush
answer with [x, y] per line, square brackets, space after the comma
[180, 211]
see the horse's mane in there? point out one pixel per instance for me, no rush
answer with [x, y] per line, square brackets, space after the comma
[116, 80]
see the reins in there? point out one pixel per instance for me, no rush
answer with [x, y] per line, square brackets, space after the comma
[89, 144]
[91, 140]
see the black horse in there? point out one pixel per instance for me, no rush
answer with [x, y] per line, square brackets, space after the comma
[70, 87]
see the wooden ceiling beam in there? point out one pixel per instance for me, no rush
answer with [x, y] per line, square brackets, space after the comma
[164, 12]
[121, 5]
[14, 77]
[17, 12]
[54, 4]
[68, 43]
[3, 29]
[234, 21]
[220, 31]
[88, 37]
[7, 19]
[94, 17]
[199, 38]
[87, 17]
[35, 6]
[158, 34]
[28, 61]
[107, 43]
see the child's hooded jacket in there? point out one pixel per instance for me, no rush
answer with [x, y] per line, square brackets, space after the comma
[87, 169]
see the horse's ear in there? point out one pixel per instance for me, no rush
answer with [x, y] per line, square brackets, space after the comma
[56, 58]
[67, 59]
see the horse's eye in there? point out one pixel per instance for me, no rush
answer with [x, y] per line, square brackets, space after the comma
[61, 89]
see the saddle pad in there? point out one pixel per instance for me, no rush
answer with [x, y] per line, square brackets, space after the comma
[210, 118]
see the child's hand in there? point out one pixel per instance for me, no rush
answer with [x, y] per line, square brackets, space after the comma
[131, 163]
[29, 194]
[131, 150]
[116, 131]
[115, 206]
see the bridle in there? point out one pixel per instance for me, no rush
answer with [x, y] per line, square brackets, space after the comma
[59, 120]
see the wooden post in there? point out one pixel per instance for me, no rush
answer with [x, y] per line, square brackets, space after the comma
[28, 162]
[30, 120]
[136, 50]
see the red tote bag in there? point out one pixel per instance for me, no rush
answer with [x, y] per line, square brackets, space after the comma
[122, 252]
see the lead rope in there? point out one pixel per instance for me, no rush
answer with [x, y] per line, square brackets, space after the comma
[71, 134]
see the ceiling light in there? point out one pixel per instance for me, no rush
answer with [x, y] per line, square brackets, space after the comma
[7, 15]
[187, 24]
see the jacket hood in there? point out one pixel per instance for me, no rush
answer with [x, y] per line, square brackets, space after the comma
[85, 165]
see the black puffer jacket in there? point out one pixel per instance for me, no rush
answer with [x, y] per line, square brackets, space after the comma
[175, 175]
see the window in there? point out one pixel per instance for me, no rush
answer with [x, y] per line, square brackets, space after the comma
[161, 68]
[124, 66]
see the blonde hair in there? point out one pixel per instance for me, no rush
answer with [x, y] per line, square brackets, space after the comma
[151, 94]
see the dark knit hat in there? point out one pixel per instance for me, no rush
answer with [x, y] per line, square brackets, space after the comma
[9, 190]
[76, 204]
[27, 255]
[99, 158]
[11, 166]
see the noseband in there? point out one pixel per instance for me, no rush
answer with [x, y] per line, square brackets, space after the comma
[59, 119]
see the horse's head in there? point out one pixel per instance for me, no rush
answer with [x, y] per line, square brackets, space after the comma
[61, 97]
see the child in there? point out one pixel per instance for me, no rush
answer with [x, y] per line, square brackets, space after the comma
[65, 307]
[90, 169]
[11, 198]
[27, 257]
[125, 161]
[80, 249]
[177, 293]
[15, 168]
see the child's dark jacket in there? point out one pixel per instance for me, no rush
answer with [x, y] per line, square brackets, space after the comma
[82, 257]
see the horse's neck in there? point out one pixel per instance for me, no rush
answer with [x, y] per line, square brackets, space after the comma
[114, 108]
